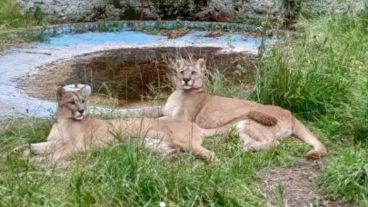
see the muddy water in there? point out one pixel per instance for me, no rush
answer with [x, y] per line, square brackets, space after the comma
[137, 76]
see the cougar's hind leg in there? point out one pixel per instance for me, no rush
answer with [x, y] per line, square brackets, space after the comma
[302, 133]
[255, 137]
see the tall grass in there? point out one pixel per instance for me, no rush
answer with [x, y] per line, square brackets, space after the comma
[129, 175]
[12, 17]
[219, 84]
[346, 176]
[322, 75]
[10, 14]
[322, 72]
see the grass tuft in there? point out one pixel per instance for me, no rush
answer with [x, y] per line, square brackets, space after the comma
[320, 73]
[346, 175]
[11, 19]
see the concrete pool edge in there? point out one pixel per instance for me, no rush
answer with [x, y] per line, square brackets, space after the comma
[133, 25]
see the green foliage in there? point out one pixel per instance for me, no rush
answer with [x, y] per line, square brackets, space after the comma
[9, 13]
[131, 13]
[219, 84]
[11, 17]
[114, 26]
[319, 72]
[346, 175]
[25, 36]
[38, 15]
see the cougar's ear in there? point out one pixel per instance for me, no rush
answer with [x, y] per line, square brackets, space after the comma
[60, 93]
[180, 63]
[86, 91]
[201, 64]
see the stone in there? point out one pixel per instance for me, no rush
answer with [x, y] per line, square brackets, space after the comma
[248, 11]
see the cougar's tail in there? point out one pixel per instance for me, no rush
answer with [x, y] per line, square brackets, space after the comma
[262, 118]
[302, 133]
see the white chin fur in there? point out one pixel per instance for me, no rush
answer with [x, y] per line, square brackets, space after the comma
[78, 117]
[186, 87]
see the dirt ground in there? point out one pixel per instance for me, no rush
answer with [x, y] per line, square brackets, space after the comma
[296, 186]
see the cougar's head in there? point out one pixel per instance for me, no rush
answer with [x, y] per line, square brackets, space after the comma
[189, 74]
[72, 104]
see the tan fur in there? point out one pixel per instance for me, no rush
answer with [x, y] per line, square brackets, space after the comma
[190, 102]
[74, 132]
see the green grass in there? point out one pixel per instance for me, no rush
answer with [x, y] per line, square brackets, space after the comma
[128, 175]
[11, 16]
[321, 74]
[346, 175]
[12, 19]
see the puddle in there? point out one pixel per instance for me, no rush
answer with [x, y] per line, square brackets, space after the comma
[80, 57]
[128, 77]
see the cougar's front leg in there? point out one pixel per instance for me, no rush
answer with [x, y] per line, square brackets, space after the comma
[203, 153]
[42, 148]
[255, 137]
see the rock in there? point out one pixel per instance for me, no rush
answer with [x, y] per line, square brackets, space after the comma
[331, 7]
[248, 11]
[217, 10]
[112, 12]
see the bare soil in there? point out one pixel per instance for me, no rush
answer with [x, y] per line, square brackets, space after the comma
[296, 186]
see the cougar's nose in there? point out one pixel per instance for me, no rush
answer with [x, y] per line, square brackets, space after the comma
[81, 111]
[186, 80]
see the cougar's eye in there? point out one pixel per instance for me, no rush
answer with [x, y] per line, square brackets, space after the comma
[194, 72]
[182, 72]
[72, 102]
[83, 100]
